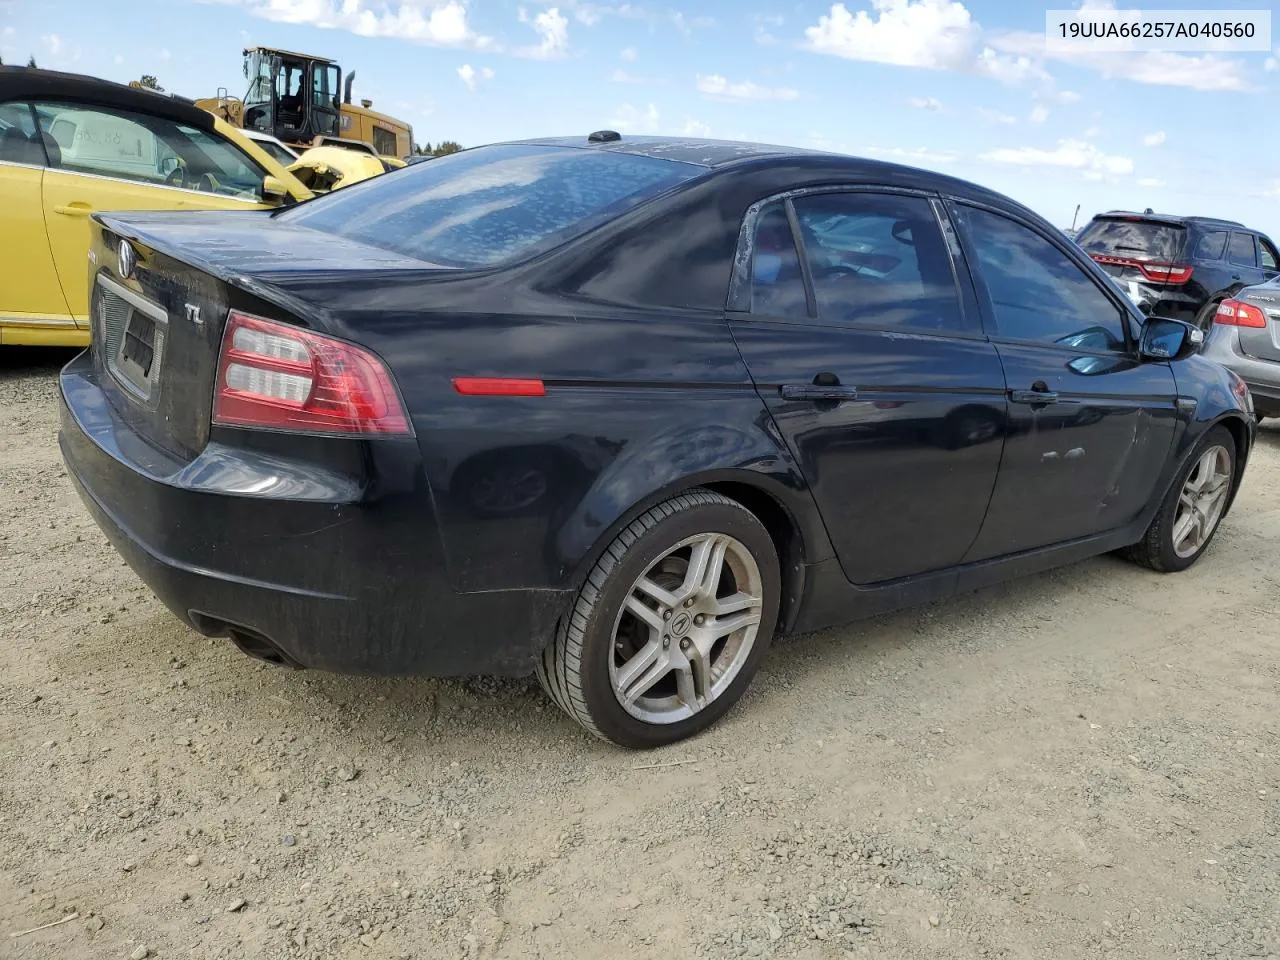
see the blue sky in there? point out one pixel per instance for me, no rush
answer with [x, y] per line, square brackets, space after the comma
[962, 86]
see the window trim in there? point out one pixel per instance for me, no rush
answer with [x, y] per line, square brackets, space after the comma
[156, 186]
[738, 301]
[1082, 260]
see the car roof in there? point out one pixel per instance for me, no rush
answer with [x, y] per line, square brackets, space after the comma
[28, 83]
[1171, 219]
[705, 153]
[714, 154]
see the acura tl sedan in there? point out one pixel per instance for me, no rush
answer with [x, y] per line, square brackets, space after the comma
[620, 411]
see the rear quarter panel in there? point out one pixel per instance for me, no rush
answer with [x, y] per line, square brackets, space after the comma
[639, 405]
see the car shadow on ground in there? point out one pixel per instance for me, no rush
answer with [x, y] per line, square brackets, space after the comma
[502, 717]
[17, 362]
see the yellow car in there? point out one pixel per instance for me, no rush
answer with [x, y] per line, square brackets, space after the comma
[325, 168]
[72, 145]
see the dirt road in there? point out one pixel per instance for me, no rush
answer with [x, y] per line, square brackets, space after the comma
[1083, 764]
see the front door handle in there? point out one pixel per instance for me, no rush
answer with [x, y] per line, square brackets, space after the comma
[77, 208]
[817, 391]
[1039, 393]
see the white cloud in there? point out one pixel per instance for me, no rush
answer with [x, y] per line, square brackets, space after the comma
[925, 103]
[627, 119]
[1072, 154]
[622, 76]
[589, 14]
[920, 155]
[1271, 65]
[469, 74]
[927, 34]
[995, 116]
[933, 34]
[1092, 133]
[119, 59]
[695, 128]
[164, 53]
[53, 42]
[1039, 114]
[1156, 67]
[714, 85]
[552, 28]
[628, 55]
[1154, 139]
[1153, 182]
[1067, 96]
[435, 22]
[764, 27]
[687, 26]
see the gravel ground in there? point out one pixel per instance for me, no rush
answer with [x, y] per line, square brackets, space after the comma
[1081, 764]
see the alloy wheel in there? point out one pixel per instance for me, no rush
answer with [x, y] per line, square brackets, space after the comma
[1201, 502]
[686, 628]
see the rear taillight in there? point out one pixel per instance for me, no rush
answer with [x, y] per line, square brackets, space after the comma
[1235, 313]
[280, 377]
[1165, 272]
[1173, 273]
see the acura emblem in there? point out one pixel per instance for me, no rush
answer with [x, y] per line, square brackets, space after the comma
[126, 259]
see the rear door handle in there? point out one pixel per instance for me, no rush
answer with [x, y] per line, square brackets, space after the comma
[815, 391]
[1039, 393]
[77, 208]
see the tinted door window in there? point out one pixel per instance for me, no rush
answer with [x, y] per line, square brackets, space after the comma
[146, 149]
[777, 285]
[1267, 255]
[879, 261]
[1241, 251]
[1037, 292]
[1212, 245]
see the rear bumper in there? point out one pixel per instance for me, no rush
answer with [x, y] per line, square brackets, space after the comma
[318, 574]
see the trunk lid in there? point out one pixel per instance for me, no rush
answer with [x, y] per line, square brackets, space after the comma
[1262, 343]
[157, 330]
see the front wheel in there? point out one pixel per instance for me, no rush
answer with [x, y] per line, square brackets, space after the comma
[1188, 518]
[671, 624]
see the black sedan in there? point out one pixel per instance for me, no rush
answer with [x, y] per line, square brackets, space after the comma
[619, 411]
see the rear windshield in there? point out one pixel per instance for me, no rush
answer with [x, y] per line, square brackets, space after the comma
[1137, 239]
[485, 206]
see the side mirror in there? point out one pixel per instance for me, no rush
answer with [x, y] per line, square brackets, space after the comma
[1165, 339]
[273, 191]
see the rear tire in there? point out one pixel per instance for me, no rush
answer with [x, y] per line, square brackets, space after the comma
[1191, 513]
[653, 652]
[1204, 319]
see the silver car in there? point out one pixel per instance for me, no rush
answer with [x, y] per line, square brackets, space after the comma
[1245, 336]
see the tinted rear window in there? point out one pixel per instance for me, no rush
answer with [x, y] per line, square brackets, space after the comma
[493, 204]
[1139, 239]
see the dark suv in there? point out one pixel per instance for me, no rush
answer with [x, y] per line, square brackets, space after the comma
[1179, 267]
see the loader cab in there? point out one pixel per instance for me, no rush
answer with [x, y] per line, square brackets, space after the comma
[292, 96]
